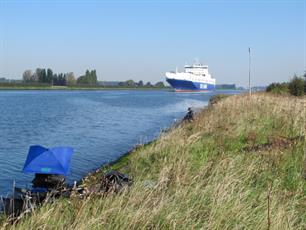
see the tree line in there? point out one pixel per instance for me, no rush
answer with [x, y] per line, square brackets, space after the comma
[46, 76]
[131, 83]
[296, 86]
[90, 78]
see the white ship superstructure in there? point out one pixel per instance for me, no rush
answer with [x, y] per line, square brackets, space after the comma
[195, 78]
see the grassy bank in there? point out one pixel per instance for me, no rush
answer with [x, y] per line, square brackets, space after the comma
[240, 164]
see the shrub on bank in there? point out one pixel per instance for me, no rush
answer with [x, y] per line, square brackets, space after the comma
[296, 86]
[304, 82]
[280, 88]
[216, 98]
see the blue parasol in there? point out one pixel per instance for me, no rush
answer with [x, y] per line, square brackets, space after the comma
[48, 161]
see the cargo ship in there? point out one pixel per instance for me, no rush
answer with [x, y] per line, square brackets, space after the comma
[195, 78]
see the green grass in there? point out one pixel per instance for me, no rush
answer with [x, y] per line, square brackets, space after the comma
[202, 175]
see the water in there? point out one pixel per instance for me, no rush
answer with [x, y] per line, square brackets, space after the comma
[99, 125]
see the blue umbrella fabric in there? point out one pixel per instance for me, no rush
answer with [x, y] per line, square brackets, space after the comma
[48, 161]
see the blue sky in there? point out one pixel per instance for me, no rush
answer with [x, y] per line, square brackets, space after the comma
[144, 39]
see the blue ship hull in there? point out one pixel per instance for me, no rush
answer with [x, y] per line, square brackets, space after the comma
[190, 86]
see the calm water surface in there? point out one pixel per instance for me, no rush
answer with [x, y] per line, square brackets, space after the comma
[99, 125]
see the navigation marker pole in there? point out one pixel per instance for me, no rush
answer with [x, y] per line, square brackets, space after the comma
[250, 90]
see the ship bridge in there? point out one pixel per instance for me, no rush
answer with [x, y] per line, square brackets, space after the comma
[197, 69]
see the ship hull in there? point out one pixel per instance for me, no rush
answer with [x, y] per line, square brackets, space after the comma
[190, 86]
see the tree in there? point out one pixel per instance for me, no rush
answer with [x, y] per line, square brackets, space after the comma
[280, 88]
[159, 84]
[38, 73]
[42, 75]
[70, 79]
[304, 82]
[49, 76]
[93, 77]
[90, 78]
[130, 83]
[27, 76]
[148, 84]
[54, 79]
[87, 73]
[296, 86]
[35, 77]
[59, 79]
[63, 79]
[140, 83]
[81, 80]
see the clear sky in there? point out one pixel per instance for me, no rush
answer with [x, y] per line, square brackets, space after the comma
[144, 39]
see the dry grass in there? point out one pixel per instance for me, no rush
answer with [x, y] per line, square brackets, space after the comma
[202, 177]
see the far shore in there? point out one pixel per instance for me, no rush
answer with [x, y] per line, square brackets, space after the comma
[79, 88]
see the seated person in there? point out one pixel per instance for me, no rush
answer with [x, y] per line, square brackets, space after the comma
[48, 181]
[189, 116]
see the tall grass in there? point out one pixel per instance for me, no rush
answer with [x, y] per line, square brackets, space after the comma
[201, 175]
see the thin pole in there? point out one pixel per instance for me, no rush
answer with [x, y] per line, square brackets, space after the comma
[250, 90]
[13, 200]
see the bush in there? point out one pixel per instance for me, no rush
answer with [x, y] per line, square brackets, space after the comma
[278, 88]
[296, 86]
[305, 83]
[216, 98]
